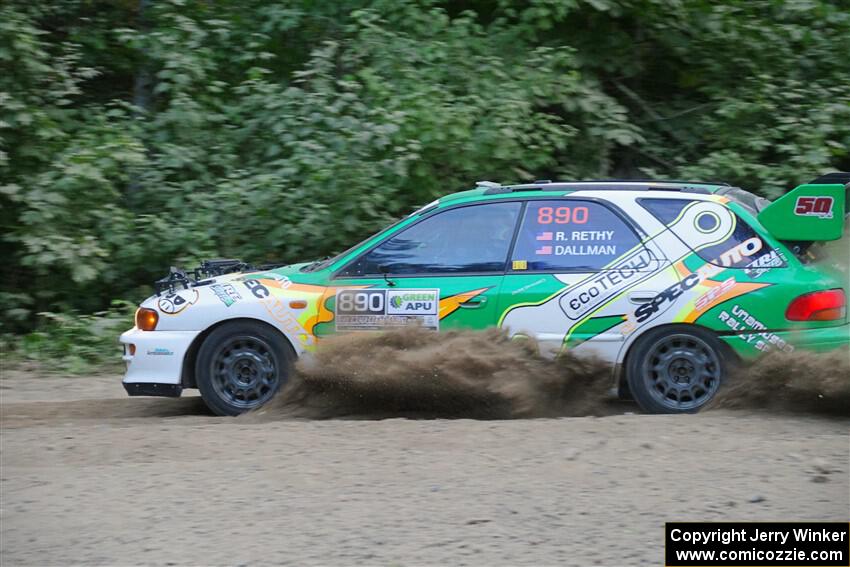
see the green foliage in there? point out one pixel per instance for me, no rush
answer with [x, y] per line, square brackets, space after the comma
[133, 140]
[73, 342]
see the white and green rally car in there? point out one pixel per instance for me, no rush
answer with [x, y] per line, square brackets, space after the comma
[669, 281]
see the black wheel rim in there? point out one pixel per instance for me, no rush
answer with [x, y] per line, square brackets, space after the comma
[245, 372]
[682, 372]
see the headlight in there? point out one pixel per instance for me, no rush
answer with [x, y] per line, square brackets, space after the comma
[146, 319]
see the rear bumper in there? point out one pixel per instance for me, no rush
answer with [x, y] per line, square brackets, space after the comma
[816, 340]
[158, 358]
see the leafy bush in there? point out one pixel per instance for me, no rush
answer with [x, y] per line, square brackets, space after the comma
[134, 136]
[72, 342]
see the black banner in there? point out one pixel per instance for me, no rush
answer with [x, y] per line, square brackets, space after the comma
[762, 544]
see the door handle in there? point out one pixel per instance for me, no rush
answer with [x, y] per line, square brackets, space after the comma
[474, 302]
[642, 296]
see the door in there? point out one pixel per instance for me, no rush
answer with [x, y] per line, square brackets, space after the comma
[575, 270]
[443, 272]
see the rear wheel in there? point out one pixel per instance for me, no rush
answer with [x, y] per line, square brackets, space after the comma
[241, 366]
[676, 369]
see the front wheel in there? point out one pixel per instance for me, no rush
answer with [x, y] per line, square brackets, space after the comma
[241, 366]
[676, 369]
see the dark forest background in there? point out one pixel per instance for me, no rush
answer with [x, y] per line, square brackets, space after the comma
[137, 134]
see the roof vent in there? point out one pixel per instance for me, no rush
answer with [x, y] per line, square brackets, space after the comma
[488, 184]
[542, 181]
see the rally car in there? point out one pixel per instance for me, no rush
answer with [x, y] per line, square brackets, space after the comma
[669, 281]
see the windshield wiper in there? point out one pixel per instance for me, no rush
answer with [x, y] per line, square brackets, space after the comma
[317, 265]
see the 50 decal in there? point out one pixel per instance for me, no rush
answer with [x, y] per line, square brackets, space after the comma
[814, 207]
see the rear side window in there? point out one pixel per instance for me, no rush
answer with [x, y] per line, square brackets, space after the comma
[473, 239]
[570, 235]
[743, 249]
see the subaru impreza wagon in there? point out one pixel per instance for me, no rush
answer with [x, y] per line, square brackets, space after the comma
[669, 281]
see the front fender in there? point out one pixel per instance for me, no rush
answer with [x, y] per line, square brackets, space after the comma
[294, 309]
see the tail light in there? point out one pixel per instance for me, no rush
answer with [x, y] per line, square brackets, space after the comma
[827, 305]
[146, 319]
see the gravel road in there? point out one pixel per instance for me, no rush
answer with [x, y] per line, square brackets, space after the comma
[92, 477]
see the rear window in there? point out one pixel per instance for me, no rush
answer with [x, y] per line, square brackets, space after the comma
[744, 248]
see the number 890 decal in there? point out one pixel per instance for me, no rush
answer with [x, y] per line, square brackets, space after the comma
[374, 309]
[359, 302]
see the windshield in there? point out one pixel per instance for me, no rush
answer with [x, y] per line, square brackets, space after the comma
[322, 264]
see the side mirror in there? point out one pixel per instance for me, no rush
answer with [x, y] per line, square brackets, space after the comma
[384, 269]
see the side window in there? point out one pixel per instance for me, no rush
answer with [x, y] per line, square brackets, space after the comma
[744, 248]
[665, 210]
[461, 240]
[570, 235]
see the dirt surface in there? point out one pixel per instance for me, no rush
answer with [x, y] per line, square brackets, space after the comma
[90, 476]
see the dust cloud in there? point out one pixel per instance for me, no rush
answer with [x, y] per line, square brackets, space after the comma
[417, 373]
[795, 382]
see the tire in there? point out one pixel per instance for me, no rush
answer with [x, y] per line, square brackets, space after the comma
[676, 369]
[241, 366]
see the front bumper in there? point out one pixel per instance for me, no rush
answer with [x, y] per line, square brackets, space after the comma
[153, 389]
[157, 359]
[816, 340]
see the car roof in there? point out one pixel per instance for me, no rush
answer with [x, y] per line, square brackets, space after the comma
[487, 188]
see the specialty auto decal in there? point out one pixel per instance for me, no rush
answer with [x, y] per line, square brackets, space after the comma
[714, 291]
[278, 310]
[747, 248]
[315, 296]
[670, 294]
